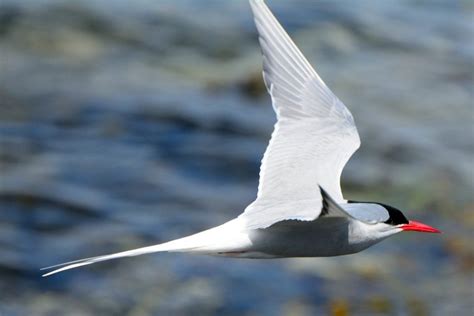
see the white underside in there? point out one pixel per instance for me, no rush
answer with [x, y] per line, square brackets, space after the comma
[314, 137]
[320, 238]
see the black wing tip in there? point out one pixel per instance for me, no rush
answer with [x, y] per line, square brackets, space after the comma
[325, 197]
[323, 192]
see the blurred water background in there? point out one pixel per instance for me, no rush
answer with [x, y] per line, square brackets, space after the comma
[129, 123]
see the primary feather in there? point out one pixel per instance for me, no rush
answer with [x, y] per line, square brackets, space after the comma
[314, 136]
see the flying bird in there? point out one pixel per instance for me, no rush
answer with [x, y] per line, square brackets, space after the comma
[299, 210]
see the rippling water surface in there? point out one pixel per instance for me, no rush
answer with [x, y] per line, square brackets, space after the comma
[124, 124]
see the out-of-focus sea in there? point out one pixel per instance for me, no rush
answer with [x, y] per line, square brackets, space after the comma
[129, 123]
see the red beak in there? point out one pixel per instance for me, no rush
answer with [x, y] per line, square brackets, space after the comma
[419, 227]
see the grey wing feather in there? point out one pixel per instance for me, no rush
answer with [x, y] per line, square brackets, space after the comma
[366, 212]
[369, 213]
[330, 208]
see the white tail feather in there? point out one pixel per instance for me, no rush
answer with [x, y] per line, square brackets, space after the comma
[226, 237]
[82, 262]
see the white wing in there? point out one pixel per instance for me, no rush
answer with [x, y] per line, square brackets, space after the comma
[314, 136]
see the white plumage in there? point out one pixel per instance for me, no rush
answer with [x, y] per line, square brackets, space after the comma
[314, 136]
[299, 209]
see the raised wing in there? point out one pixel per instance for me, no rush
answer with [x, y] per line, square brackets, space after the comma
[314, 136]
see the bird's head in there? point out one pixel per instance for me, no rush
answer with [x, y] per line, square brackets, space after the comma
[398, 220]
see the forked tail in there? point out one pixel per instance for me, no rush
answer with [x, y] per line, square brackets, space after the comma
[130, 253]
[226, 237]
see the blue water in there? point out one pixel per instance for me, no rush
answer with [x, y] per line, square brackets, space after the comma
[130, 124]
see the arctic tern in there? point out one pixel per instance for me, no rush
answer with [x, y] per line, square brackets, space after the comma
[299, 210]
